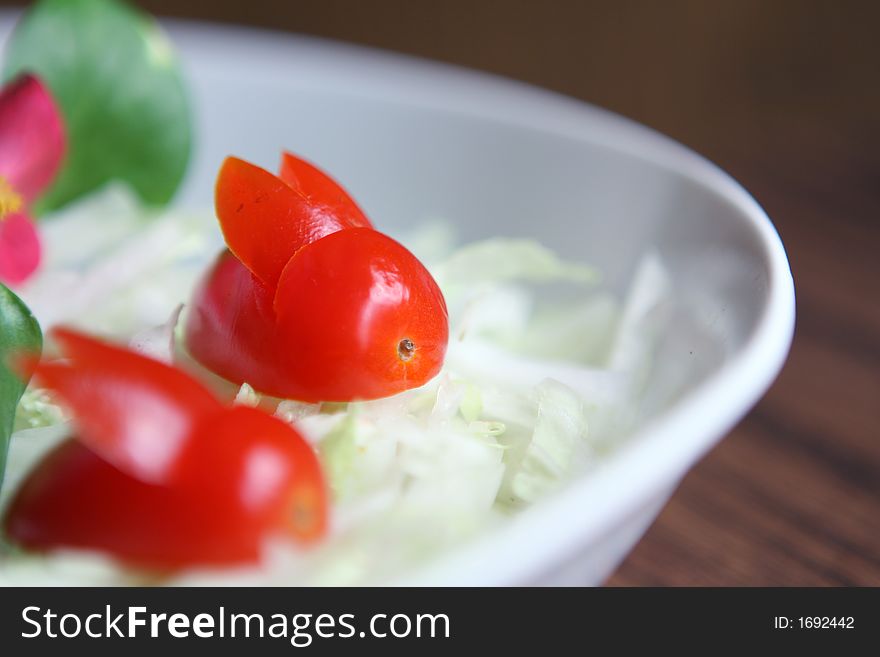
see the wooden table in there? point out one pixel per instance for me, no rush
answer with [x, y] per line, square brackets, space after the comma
[785, 96]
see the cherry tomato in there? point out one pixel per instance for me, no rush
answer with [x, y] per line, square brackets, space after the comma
[230, 327]
[234, 477]
[358, 316]
[265, 220]
[135, 412]
[350, 315]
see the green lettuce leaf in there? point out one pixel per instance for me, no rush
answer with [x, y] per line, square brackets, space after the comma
[19, 333]
[120, 89]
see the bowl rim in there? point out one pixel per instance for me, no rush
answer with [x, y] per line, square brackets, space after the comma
[661, 451]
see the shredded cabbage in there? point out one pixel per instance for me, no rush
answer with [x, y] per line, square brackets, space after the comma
[535, 389]
[542, 461]
[114, 267]
[503, 259]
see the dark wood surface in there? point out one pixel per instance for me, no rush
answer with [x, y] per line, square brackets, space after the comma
[786, 97]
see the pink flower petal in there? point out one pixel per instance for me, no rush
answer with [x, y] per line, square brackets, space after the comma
[20, 249]
[32, 138]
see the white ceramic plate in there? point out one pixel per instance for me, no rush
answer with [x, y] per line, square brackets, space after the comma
[415, 140]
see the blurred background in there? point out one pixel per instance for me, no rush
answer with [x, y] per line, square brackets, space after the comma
[785, 96]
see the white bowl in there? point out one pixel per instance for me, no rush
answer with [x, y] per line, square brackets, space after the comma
[415, 140]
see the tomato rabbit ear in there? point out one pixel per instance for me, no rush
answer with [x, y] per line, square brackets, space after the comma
[261, 217]
[265, 221]
[133, 411]
[321, 189]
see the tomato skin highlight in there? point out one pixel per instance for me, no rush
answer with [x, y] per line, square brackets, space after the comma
[74, 499]
[240, 480]
[311, 302]
[258, 468]
[231, 325]
[342, 307]
[265, 220]
[116, 394]
[234, 477]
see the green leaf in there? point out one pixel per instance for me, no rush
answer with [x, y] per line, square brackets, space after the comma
[19, 333]
[120, 89]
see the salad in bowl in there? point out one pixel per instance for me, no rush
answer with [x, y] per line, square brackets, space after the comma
[283, 388]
